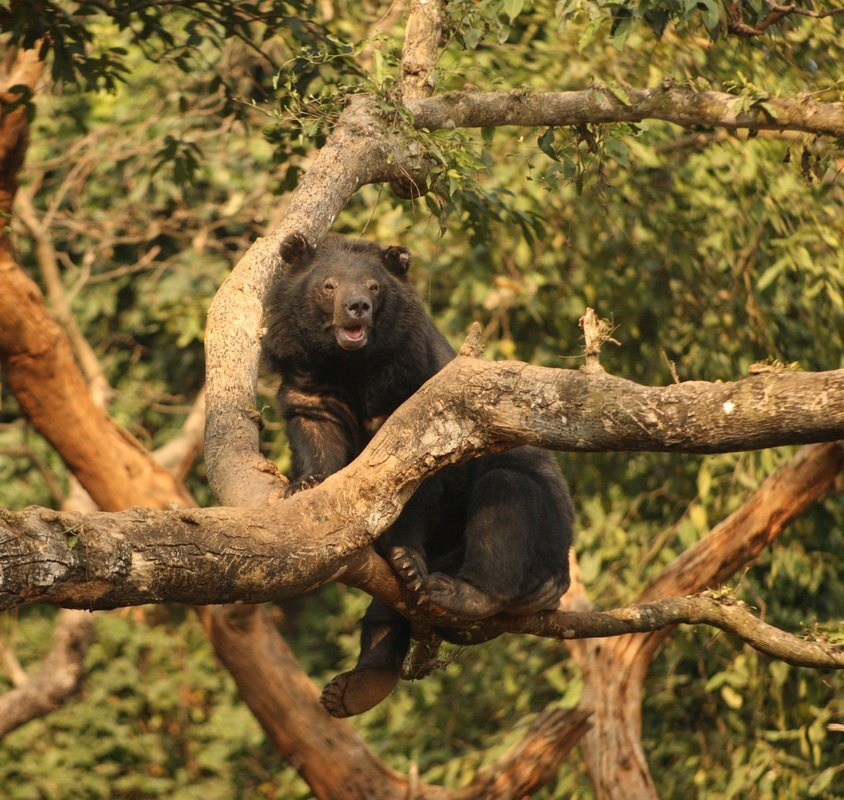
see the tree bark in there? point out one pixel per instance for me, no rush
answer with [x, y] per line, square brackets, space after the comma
[41, 371]
[470, 408]
[668, 101]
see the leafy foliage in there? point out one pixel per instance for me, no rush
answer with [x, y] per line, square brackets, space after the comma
[157, 718]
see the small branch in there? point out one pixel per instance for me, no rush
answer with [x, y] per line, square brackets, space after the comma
[729, 616]
[738, 26]
[472, 346]
[659, 616]
[595, 332]
[11, 666]
[179, 453]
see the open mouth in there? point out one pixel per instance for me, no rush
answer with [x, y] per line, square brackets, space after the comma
[351, 337]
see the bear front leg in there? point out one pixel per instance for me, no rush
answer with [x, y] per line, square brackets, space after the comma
[384, 642]
[322, 432]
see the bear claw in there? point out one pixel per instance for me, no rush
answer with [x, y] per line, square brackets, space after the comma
[411, 569]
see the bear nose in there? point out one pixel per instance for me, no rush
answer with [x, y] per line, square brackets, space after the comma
[359, 307]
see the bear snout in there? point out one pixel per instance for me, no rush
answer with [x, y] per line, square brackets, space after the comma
[359, 307]
[352, 319]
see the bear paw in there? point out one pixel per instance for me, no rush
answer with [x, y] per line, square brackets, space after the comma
[300, 484]
[451, 594]
[357, 691]
[460, 597]
[411, 569]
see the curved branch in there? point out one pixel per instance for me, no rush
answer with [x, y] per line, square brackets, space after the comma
[59, 676]
[360, 151]
[104, 560]
[738, 26]
[365, 148]
[728, 615]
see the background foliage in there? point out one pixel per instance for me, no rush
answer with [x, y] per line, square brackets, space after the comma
[156, 164]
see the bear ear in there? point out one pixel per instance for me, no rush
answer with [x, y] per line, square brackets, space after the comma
[296, 250]
[397, 259]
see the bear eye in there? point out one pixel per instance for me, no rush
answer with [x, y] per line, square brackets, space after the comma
[329, 286]
[373, 287]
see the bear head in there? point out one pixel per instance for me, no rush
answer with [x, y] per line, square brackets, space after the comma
[341, 290]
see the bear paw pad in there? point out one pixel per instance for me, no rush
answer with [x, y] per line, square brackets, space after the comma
[357, 691]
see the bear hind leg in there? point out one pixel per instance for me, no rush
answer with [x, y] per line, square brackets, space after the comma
[385, 639]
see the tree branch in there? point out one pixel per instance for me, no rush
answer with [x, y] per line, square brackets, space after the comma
[60, 674]
[366, 148]
[681, 105]
[738, 26]
[421, 49]
[470, 408]
[107, 560]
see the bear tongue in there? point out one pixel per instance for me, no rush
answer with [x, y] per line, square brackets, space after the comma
[352, 337]
[353, 334]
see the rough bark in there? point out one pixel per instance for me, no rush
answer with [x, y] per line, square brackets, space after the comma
[421, 49]
[469, 408]
[668, 101]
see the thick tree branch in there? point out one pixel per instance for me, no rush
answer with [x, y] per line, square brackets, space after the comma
[48, 265]
[360, 151]
[105, 560]
[668, 101]
[470, 408]
[41, 371]
[366, 148]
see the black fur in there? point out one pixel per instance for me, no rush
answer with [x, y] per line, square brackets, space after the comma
[352, 341]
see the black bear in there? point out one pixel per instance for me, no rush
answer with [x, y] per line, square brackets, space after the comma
[351, 341]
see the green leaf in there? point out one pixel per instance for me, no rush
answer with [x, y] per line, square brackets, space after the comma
[512, 8]
[546, 144]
